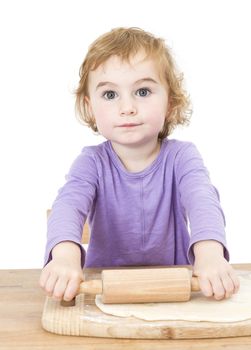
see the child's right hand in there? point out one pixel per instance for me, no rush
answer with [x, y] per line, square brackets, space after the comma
[61, 277]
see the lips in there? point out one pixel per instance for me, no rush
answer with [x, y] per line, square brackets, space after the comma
[129, 125]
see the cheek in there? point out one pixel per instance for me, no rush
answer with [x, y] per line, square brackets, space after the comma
[157, 112]
[156, 117]
[105, 113]
[103, 118]
[104, 108]
[97, 112]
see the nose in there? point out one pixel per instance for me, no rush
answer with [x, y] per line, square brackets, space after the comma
[127, 108]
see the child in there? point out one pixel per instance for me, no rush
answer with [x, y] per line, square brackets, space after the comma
[139, 188]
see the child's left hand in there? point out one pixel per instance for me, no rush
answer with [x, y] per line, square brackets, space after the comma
[216, 276]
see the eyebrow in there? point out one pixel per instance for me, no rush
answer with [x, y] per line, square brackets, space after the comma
[149, 80]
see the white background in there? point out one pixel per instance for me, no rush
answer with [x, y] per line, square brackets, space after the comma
[43, 44]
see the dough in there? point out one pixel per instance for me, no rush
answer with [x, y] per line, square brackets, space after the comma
[199, 308]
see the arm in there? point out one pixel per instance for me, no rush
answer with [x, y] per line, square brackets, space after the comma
[64, 257]
[207, 250]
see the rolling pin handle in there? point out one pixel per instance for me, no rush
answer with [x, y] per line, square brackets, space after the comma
[195, 286]
[91, 287]
[86, 287]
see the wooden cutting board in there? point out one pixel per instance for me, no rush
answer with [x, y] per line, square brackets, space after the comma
[85, 319]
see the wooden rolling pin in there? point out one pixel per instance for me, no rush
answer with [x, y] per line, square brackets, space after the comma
[142, 285]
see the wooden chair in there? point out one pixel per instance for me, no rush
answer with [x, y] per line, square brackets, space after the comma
[85, 234]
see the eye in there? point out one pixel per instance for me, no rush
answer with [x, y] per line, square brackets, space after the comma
[109, 95]
[142, 92]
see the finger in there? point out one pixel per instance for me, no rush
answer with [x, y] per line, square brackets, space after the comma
[236, 281]
[234, 277]
[218, 288]
[71, 289]
[50, 284]
[228, 285]
[205, 287]
[60, 288]
[43, 279]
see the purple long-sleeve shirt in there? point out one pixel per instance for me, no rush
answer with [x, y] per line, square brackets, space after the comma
[151, 217]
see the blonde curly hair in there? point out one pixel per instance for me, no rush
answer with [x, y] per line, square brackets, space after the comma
[125, 43]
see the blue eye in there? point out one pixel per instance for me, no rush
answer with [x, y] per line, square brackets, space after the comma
[143, 92]
[109, 95]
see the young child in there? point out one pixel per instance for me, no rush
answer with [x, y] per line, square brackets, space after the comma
[140, 190]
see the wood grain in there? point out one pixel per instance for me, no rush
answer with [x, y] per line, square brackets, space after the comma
[21, 305]
[85, 319]
[145, 285]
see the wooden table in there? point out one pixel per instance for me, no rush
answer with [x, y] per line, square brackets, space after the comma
[21, 304]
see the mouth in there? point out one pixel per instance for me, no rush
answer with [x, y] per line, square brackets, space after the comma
[129, 125]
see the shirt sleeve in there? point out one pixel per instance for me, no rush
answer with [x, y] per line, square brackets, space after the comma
[72, 204]
[200, 200]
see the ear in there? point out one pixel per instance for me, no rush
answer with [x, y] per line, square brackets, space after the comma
[87, 102]
[86, 99]
[169, 108]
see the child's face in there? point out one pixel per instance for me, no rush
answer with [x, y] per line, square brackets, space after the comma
[129, 101]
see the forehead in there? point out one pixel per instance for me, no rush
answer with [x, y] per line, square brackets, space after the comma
[114, 69]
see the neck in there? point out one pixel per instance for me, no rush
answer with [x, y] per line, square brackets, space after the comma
[138, 158]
